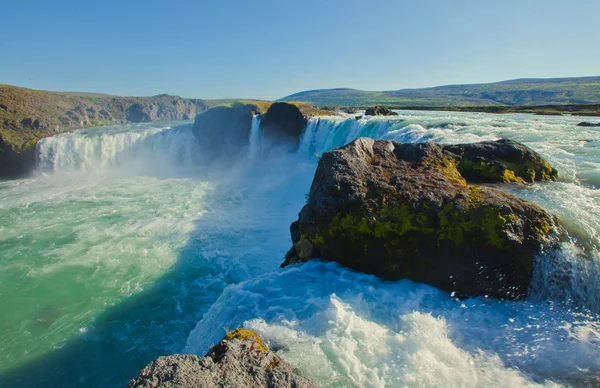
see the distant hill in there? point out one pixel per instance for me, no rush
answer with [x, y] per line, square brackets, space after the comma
[518, 92]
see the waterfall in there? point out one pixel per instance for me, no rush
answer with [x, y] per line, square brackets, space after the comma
[139, 146]
[255, 139]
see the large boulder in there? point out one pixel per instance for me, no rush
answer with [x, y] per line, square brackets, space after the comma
[501, 161]
[241, 359]
[283, 124]
[379, 111]
[405, 211]
[222, 131]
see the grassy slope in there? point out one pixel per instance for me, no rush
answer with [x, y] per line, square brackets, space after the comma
[523, 92]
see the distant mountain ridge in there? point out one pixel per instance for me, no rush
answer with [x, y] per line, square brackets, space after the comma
[516, 92]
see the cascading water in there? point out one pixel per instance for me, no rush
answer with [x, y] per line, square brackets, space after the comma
[255, 139]
[105, 270]
[127, 146]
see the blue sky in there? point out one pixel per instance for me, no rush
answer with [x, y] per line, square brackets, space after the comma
[272, 48]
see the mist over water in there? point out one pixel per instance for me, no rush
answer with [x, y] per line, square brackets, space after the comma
[123, 247]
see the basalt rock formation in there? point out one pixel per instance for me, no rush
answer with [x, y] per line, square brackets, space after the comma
[408, 211]
[241, 359]
[222, 131]
[283, 124]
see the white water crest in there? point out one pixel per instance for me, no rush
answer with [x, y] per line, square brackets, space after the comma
[123, 250]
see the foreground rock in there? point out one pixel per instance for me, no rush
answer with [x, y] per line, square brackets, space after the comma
[379, 111]
[283, 124]
[405, 211]
[587, 124]
[241, 359]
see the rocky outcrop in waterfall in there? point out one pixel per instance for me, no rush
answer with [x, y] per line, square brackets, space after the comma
[283, 124]
[241, 359]
[379, 111]
[223, 132]
[408, 211]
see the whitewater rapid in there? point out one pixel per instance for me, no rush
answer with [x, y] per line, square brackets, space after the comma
[123, 248]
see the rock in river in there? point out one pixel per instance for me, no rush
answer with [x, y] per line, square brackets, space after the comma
[406, 211]
[223, 131]
[283, 124]
[379, 111]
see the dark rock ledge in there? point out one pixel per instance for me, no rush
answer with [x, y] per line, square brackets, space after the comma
[241, 359]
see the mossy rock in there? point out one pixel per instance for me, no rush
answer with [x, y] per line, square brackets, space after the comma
[405, 211]
[501, 161]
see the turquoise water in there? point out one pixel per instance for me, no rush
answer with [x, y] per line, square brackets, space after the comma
[123, 248]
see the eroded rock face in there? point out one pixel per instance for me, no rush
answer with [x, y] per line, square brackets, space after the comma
[223, 131]
[161, 108]
[241, 359]
[405, 211]
[379, 111]
[283, 124]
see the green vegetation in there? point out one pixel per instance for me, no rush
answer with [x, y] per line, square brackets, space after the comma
[521, 92]
[247, 335]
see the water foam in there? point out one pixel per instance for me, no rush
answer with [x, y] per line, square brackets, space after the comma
[344, 328]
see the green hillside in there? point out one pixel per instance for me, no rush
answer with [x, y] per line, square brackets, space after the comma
[519, 92]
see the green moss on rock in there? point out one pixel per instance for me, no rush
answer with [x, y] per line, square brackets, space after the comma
[247, 335]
